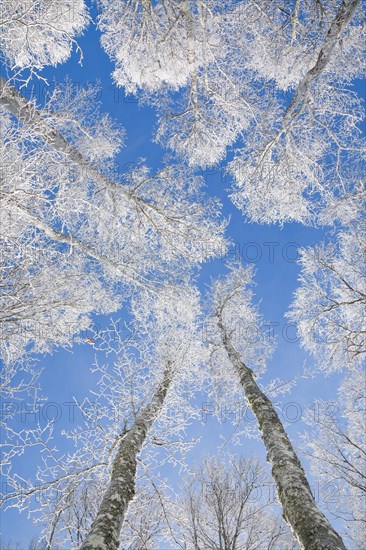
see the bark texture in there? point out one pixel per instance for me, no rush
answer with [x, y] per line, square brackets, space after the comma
[307, 522]
[105, 530]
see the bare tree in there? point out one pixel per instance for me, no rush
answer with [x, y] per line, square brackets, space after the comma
[145, 526]
[222, 507]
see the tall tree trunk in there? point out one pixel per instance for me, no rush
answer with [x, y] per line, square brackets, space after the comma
[105, 530]
[308, 523]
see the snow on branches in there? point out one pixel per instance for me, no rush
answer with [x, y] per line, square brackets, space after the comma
[329, 306]
[65, 212]
[146, 374]
[337, 446]
[276, 76]
[34, 34]
[222, 501]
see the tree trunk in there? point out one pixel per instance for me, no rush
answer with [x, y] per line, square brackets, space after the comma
[308, 523]
[105, 530]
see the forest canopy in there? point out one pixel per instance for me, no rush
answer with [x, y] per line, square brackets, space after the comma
[182, 285]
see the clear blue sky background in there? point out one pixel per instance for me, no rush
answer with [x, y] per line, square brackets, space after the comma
[66, 374]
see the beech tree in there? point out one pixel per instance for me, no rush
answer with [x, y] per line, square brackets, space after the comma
[66, 213]
[147, 379]
[329, 305]
[232, 311]
[337, 446]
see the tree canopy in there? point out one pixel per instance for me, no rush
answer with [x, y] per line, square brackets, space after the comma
[246, 119]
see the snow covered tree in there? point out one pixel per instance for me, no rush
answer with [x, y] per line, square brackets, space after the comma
[37, 33]
[277, 74]
[337, 446]
[222, 506]
[329, 305]
[241, 356]
[191, 46]
[67, 217]
[106, 527]
[79, 239]
[293, 111]
[143, 399]
[152, 44]
[299, 161]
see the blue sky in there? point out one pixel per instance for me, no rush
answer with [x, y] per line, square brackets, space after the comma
[273, 251]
